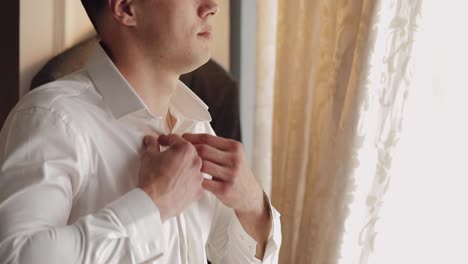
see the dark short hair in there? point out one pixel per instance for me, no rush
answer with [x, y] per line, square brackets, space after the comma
[93, 9]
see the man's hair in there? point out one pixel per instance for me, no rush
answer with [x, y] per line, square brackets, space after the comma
[94, 9]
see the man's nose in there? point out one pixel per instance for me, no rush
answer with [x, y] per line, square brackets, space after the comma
[207, 8]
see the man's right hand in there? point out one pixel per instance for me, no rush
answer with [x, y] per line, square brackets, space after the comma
[172, 178]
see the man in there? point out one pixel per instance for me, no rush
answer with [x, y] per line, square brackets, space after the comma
[93, 169]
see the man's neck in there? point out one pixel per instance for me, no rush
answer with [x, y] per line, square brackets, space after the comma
[154, 84]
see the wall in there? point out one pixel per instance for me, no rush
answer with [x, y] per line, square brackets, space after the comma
[221, 26]
[48, 27]
[243, 64]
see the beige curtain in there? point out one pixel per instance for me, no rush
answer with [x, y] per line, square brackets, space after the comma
[321, 45]
[338, 92]
[266, 61]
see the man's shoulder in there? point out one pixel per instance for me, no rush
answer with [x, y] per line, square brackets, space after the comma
[69, 94]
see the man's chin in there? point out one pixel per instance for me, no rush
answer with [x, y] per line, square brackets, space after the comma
[196, 63]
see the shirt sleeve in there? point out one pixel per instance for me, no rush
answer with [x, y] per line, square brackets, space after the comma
[229, 243]
[44, 166]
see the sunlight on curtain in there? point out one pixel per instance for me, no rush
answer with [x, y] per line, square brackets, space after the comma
[321, 51]
[369, 131]
[423, 214]
[267, 11]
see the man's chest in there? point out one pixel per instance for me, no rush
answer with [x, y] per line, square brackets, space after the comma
[115, 148]
[115, 151]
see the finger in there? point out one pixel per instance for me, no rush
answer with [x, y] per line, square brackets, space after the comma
[214, 141]
[151, 144]
[219, 172]
[170, 140]
[207, 152]
[214, 187]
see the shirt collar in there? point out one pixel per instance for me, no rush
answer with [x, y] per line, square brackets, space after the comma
[122, 99]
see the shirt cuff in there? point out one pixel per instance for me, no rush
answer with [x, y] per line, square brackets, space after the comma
[142, 221]
[247, 245]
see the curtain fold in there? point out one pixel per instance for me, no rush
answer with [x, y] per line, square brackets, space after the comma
[320, 54]
[341, 74]
[266, 61]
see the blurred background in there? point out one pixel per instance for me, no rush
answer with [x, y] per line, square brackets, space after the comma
[353, 115]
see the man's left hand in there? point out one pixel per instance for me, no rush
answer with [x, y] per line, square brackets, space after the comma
[234, 184]
[233, 181]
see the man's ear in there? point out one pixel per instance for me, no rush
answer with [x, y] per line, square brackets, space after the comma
[123, 11]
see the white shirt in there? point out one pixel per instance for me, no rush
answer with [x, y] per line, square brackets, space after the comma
[69, 156]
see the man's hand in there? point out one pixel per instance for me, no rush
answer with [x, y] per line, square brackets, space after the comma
[172, 178]
[234, 184]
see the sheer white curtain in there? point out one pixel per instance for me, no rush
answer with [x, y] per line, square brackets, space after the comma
[424, 215]
[370, 132]
[387, 80]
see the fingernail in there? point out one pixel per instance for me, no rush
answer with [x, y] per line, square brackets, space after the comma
[146, 141]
